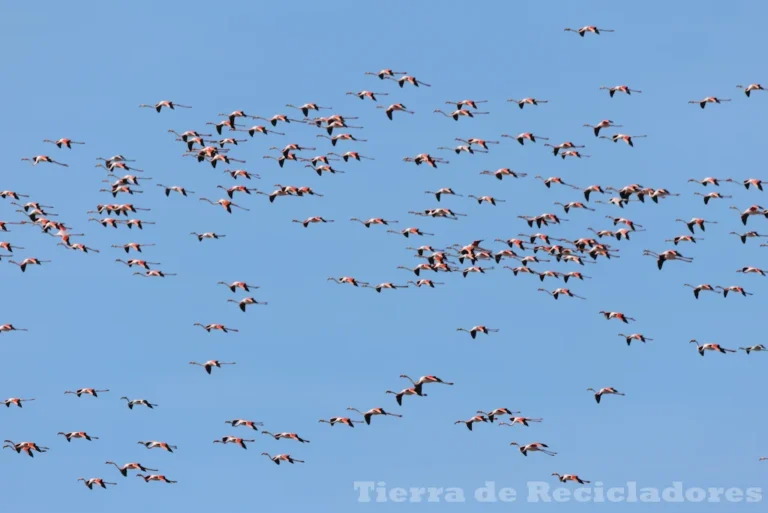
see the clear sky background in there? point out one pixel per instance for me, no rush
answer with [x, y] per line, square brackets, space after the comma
[80, 70]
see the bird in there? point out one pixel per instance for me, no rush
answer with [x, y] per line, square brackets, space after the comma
[245, 423]
[155, 477]
[478, 329]
[755, 348]
[519, 420]
[471, 421]
[15, 400]
[527, 101]
[246, 301]
[282, 457]
[534, 447]
[498, 412]
[211, 364]
[620, 89]
[751, 87]
[86, 391]
[238, 285]
[311, 220]
[589, 28]
[634, 336]
[616, 315]
[395, 107]
[406, 391]
[735, 289]
[710, 347]
[77, 434]
[606, 123]
[288, 436]
[95, 481]
[604, 391]
[373, 411]
[622, 137]
[138, 402]
[667, 255]
[233, 440]
[63, 142]
[130, 466]
[341, 420]
[43, 158]
[699, 288]
[423, 380]
[709, 99]
[164, 103]
[564, 478]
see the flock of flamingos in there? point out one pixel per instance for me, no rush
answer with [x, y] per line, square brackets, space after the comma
[526, 254]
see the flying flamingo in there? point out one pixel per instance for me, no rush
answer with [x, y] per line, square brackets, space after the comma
[153, 274]
[564, 478]
[407, 232]
[227, 204]
[620, 89]
[217, 327]
[527, 101]
[212, 363]
[478, 329]
[341, 420]
[443, 191]
[63, 142]
[245, 302]
[535, 446]
[165, 103]
[589, 28]
[95, 481]
[28, 261]
[395, 107]
[757, 348]
[754, 210]
[470, 422]
[138, 402]
[606, 123]
[409, 79]
[709, 99]
[86, 391]
[130, 466]
[407, 391]
[341, 137]
[622, 137]
[710, 347]
[43, 158]
[287, 436]
[456, 114]
[233, 440]
[750, 88]
[385, 73]
[15, 400]
[519, 420]
[634, 336]
[696, 221]
[348, 279]
[385, 285]
[521, 138]
[566, 145]
[752, 270]
[238, 284]
[307, 107]
[10, 327]
[367, 94]
[373, 411]
[77, 434]
[735, 289]
[616, 315]
[282, 457]
[558, 292]
[208, 235]
[311, 220]
[468, 103]
[155, 477]
[498, 412]
[245, 423]
[698, 288]
[604, 391]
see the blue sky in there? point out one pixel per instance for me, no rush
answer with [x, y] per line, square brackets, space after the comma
[317, 348]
